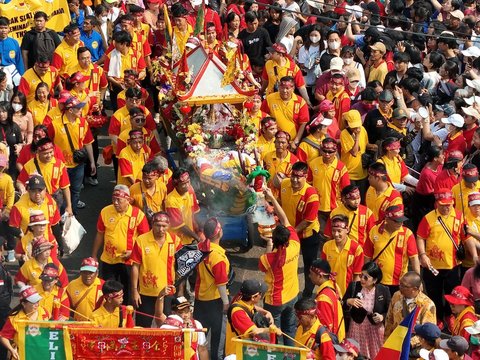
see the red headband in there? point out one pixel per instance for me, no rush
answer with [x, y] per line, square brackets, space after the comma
[217, 229]
[44, 147]
[114, 295]
[376, 172]
[136, 135]
[282, 134]
[353, 195]
[121, 194]
[338, 223]
[161, 217]
[269, 123]
[393, 146]
[210, 28]
[306, 312]
[182, 179]
[300, 173]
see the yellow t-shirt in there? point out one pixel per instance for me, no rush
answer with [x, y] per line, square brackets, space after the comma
[354, 163]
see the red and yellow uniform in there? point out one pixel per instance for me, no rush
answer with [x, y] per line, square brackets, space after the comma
[7, 192]
[40, 109]
[49, 297]
[438, 246]
[241, 324]
[157, 263]
[274, 165]
[208, 280]
[84, 298]
[461, 194]
[396, 168]
[103, 318]
[120, 232]
[151, 144]
[474, 224]
[322, 351]
[155, 202]
[378, 72]
[280, 267]
[329, 308]
[146, 98]
[307, 152]
[256, 118]
[53, 172]
[20, 213]
[30, 80]
[12, 326]
[85, 97]
[181, 210]
[52, 114]
[394, 259]
[328, 180]
[131, 60]
[31, 270]
[273, 72]
[341, 102]
[353, 163]
[98, 79]
[346, 262]
[265, 146]
[289, 114]
[360, 221]
[65, 58]
[24, 246]
[140, 44]
[130, 164]
[465, 319]
[180, 40]
[79, 132]
[300, 205]
[378, 203]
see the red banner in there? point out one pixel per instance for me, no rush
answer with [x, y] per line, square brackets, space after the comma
[119, 344]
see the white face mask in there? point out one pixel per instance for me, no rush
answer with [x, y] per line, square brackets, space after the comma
[347, 61]
[17, 107]
[335, 45]
[314, 39]
[104, 19]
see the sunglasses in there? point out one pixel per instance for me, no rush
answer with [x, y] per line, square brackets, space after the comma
[139, 120]
[365, 277]
[328, 151]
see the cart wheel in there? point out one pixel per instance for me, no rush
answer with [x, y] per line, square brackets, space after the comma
[250, 234]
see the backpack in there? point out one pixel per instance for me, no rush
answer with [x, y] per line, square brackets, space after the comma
[44, 44]
[321, 330]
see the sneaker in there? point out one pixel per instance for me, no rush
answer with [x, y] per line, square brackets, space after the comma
[81, 204]
[91, 181]
[11, 256]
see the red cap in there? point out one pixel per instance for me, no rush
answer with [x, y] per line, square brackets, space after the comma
[78, 77]
[39, 245]
[73, 102]
[64, 96]
[277, 47]
[326, 105]
[161, 217]
[89, 264]
[444, 196]
[470, 173]
[29, 294]
[460, 296]
[396, 213]
[454, 155]
[474, 198]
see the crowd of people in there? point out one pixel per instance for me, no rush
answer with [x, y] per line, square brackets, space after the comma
[366, 116]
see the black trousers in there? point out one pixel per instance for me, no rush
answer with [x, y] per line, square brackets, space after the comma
[210, 314]
[147, 307]
[118, 272]
[309, 247]
[96, 153]
[440, 285]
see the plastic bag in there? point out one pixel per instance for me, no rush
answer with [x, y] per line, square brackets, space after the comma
[73, 233]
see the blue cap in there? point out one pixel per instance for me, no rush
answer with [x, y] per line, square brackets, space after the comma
[428, 331]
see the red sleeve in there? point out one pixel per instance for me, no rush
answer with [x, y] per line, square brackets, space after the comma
[120, 102]
[18, 248]
[423, 228]
[411, 246]
[311, 209]
[57, 152]
[23, 176]
[114, 126]
[303, 115]
[120, 146]
[323, 255]
[57, 61]
[65, 309]
[88, 139]
[64, 179]
[136, 255]
[302, 156]
[24, 86]
[196, 207]
[24, 155]
[219, 271]
[299, 80]
[358, 261]
[261, 267]
[106, 65]
[55, 218]
[293, 234]
[264, 73]
[241, 321]
[345, 179]
[265, 106]
[51, 131]
[150, 123]
[404, 169]
[8, 331]
[143, 227]
[328, 228]
[141, 64]
[370, 223]
[100, 224]
[63, 277]
[326, 315]
[103, 80]
[125, 167]
[345, 105]
[47, 120]
[368, 247]
[147, 50]
[21, 276]
[155, 147]
[176, 217]
[15, 217]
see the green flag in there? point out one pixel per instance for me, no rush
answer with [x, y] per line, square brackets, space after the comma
[199, 25]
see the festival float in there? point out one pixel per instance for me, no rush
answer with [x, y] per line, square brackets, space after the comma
[203, 103]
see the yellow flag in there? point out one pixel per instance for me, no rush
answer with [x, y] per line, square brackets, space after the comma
[229, 74]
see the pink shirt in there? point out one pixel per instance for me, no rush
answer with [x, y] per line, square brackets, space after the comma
[471, 283]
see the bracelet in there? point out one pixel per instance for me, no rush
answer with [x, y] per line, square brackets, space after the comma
[422, 254]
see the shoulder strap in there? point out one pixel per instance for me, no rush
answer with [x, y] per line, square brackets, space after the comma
[384, 248]
[351, 223]
[70, 142]
[229, 314]
[74, 306]
[37, 166]
[311, 143]
[91, 76]
[449, 234]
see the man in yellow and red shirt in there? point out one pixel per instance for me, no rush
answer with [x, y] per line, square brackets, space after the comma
[211, 294]
[139, 40]
[266, 138]
[360, 218]
[344, 255]
[392, 246]
[300, 203]
[65, 55]
[132, 159]
[289, 109]
[42, 71]
[181, 205]
[439, 235]
[280, 265]
[118, 226]
[153, 267]
[52, 169]
[98, 79]
[380, 194]
[329, 176]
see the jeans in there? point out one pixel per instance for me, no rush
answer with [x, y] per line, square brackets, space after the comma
[76, 180]
[285, 319]
[210, 315]
[309, 247]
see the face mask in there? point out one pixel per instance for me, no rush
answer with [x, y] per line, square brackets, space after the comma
[334, 45]
[347, 61]
[104, 19]
[474, 340]
[314, 39]
[17, 107]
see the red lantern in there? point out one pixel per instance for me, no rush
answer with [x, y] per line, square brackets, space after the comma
[185, 109]
[248, 105]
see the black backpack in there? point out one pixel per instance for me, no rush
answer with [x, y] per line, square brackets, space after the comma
[44, 44]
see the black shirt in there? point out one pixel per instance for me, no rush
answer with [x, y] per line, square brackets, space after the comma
[28, 43]
[272, 30]
[376, 125]
[255, 44]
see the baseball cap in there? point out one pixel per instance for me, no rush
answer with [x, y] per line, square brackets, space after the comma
[193, 42]
[437, 354]
[474, 84]
[73, 103]
[37, 217]
[460, 295]
[385, 95]
[252, 287]
[458, 14]
[29, 294]
[454, 119]
[78, 77]
[36, 182]
[336, 64]
[89, 264]
[326, 105]
[470, 173]
[379, 46]
[474, 329]
[454, 156]
[50, 272]
[3, 160]
[444, 196]
[353, 75]
[277, 47]
[474, 198]
[428, 331]
[471, 100]
[396, 213]
[348, 345]
[180, 303]
[353, 119]
[471, 111]
[399, 113]
[64, 96]
[472, 51]
[455, 343]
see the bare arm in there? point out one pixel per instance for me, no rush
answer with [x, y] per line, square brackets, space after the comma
[278, 209]
[97, 243]
[134, 285]
[6, 343]
[68, 200]
[415, 263]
